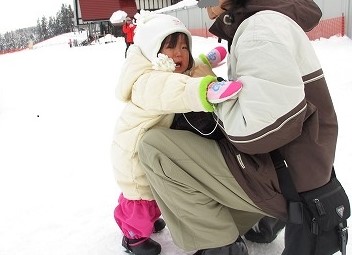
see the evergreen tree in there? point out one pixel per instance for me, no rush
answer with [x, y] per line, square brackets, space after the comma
[39, 29]
[52, 27]
[68, 19]
[46, 28]
[2, 41]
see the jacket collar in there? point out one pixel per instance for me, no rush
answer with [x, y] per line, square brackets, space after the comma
[305, 13]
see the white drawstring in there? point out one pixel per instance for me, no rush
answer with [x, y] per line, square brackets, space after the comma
[216, 125]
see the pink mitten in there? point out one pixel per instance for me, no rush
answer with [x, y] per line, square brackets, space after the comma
[221, 91]
[214, 57]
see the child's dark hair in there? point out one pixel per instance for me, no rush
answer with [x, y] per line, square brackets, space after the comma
[171, 41]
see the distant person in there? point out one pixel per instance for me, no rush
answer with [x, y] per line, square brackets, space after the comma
[154, 83]
[128, 29]
[30, 44]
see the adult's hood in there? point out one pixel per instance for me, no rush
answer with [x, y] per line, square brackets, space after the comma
[306, 13]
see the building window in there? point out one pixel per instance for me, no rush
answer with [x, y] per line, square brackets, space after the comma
[152, 5]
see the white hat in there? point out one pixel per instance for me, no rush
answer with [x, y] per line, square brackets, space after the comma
[152, 28]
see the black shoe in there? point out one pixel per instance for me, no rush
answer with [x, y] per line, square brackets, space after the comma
[239, 247]
[159, 225]
[141, 246]
[265, 231]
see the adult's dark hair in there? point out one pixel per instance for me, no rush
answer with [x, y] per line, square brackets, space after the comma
[171, 41]
[241, 3]
[229, 4]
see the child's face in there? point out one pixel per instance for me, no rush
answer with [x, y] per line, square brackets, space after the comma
[179, 54]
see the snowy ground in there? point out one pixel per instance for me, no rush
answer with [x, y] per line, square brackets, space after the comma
[57, 114]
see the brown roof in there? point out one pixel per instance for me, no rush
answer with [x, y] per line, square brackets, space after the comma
[92, 10]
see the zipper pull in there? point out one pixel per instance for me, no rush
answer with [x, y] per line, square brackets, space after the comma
[319, 206]
[314, 227]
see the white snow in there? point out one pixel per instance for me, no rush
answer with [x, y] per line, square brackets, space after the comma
[118, 17]
[179, 5]
[57, 115]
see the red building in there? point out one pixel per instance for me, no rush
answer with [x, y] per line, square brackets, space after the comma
[94, 15]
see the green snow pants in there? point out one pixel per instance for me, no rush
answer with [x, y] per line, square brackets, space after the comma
[200, 200]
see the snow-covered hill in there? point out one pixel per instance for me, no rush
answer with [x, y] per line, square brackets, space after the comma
[57, 114]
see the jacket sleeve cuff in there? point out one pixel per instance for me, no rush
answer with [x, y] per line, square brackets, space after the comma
[203, 88]
[204, 59]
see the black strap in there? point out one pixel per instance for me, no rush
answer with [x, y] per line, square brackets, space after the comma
[287, 186]
[288, 189]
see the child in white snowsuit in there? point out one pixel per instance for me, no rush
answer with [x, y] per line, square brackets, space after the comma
[154, 85]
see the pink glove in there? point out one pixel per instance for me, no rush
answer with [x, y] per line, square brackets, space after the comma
[214, 57]
[223, 90]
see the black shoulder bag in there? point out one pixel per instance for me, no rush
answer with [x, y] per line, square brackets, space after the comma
[317, 219]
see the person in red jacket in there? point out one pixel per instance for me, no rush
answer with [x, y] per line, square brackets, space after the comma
[128, 29]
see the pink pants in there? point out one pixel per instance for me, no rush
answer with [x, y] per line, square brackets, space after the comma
[136, 217]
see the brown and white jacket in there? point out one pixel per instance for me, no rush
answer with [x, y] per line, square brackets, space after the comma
[284, 103]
